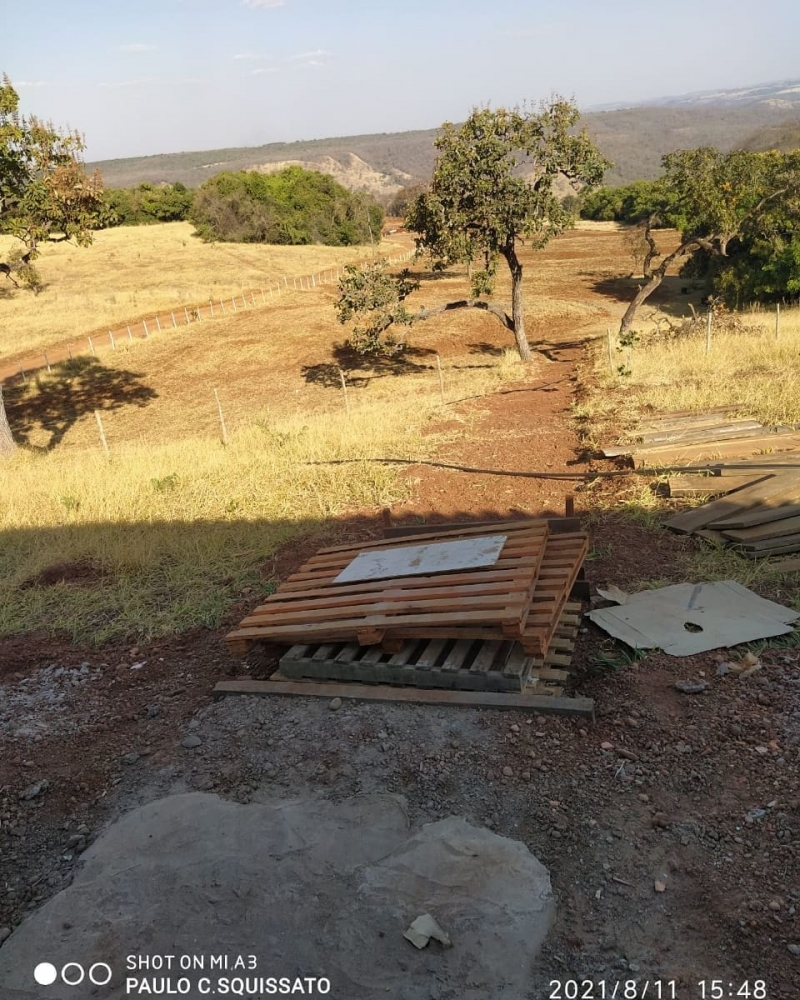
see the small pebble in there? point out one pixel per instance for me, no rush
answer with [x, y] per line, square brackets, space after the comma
[335, 704]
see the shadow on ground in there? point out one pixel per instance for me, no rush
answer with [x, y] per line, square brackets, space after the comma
[51, 404]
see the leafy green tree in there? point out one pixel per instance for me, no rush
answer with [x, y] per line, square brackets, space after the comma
[146, 204]
[717, 200]
[292, 206]
[45, 196]
[492, 189]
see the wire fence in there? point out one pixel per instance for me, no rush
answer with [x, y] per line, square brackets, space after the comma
[166, 320]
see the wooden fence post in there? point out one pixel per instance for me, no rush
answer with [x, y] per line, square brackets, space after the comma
[47, 362]
[144, 327]
[610, 353]
[174, 321]
[441, 379]
[158, 324]
[24, 377]
[708, 331]
[130, 335]
[102, 432]
[264, 297]
[221, 419]
[344, 390]
[233, 303]
[91, 347]
[111, 341]
[186, 314]
[222, 306]
[211, 303]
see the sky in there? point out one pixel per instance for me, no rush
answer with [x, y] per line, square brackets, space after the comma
[140, 77]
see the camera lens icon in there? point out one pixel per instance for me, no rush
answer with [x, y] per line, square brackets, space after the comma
[73, 974]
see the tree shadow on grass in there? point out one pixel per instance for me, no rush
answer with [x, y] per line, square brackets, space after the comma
[54, 402]
[361, 369]
[485, 348]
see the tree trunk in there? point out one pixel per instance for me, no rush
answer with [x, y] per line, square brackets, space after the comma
[7, 444]
[517, 301]
[652, 283]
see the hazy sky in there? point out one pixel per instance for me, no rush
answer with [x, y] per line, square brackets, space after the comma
[151, 76]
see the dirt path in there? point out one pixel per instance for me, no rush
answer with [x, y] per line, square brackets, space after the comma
[698, 796]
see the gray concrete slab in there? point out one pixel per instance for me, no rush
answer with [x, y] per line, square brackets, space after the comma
[307, 888]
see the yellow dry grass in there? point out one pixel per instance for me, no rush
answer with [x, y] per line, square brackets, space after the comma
[134, 271]
[747, 366]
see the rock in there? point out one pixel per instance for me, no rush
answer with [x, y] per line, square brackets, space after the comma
[507, 772]
[423, 929]
[775, 905]
[515, 728]
[335, 704]
[660, 886]
[661, 821]
[5, 934]
[130, 758]
[191, 742]
[76, 842]
[626, 754]
[34, 791]
[794, 949]
[691, 687]
[723, 669]
[606, 745]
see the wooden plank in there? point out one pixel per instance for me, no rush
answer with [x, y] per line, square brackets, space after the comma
[673, 418]
[785, 566]
[711, 486]
[556, 525]
[751, 496]
[768, 529]
[699, 435]
[424, 696]
[485, 657]
[783, 543]
[761, 463]
[715, 537]
[666, 454]
[431, 653]
[532, 525]
[457, 655]
[765, 514]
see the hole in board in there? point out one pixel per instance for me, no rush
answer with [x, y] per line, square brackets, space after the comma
[691, 627]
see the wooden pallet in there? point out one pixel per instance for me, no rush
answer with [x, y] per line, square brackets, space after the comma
[496, 600]
[458, 664]
[712, 486]
[519, 701]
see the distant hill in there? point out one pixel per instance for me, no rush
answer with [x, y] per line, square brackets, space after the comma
[633, 138]
[784, 137]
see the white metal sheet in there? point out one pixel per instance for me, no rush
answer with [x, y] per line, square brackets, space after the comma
[691, 618]
[420, 560]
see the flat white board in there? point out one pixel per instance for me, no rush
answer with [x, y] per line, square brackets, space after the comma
[691, 618]
[420, 560]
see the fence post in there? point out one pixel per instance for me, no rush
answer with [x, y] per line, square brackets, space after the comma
[144, 327]
[47, 362]
[263, 296]
[130, 335]
[186, 314]
[158, 324]
[610, 353]
[708, 332]
[174, 321]
[778, 321]
[24, 378]
[111, 341]
[211, 303]
[253, 294]
[69, 352]
[441, 379]
[91, 346]
[222, 306]
[102, 432]
[313, 282]
[285, 281]
[221, 419]
[344, 390]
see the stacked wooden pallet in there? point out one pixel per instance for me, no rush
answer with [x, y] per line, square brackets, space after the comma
[496, 628]
[449, 664]
[684, 438]
[759, 519]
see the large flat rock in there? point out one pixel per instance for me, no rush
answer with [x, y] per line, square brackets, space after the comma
[309, 888]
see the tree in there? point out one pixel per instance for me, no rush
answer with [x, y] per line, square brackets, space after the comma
[492, 189]
[717, 200]
[45, 195]
[292, 206]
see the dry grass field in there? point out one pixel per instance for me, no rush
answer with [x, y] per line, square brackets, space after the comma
[133, 271]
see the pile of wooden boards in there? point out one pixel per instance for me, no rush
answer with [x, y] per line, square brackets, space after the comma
[761, 518]
[502, 627]
[685, 438]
